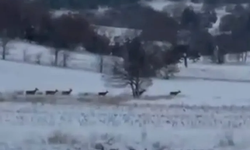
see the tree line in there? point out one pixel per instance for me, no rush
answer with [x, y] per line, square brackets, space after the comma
[185, 25]
[85, 4]
[94, 4]
[31, 21]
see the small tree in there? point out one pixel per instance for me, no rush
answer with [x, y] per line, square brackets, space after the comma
[55, 51]
[4, 46]
[38, 58]
[68, 32]
[181, 51]
[65, 58]
[100, 62]
[5, 39]
[133, 71]
[124, 76]
[101, 46]
[170, 59]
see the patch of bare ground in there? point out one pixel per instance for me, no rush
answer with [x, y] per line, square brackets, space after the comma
[107, 100]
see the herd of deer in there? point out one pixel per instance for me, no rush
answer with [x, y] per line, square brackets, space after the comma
[48, 92]
[53, 92]
[172, 93]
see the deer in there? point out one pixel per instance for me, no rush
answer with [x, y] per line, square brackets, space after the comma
[31, 92]
[102, 93]
[174, 93]
[51, 92]
[67, 92]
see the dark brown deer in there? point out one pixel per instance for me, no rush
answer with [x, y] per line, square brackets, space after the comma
[67, 92]
[51, 92]
[174, 93]
[103, 93]
[31, 92]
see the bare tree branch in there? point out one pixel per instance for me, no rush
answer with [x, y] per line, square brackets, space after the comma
[131, 72]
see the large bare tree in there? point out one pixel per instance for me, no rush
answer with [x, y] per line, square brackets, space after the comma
[133, 71]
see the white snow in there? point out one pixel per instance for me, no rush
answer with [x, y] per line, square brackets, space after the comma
[116, 34]
[160, 4]
[28, 77]
[207, 115]
[20, 51]
[58, 13]
[127, 126]
[240, 73]
[220, 12]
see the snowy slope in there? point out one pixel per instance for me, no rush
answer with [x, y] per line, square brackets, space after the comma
[25, 52]
[15, 76]
[224, 72]
[140, 126]
[19, 76]
[207, 115]
[22, 51]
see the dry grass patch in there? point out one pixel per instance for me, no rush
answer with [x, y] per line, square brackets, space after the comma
[61, 138]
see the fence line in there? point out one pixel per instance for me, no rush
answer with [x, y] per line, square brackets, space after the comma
[46, 65]
[81, 65]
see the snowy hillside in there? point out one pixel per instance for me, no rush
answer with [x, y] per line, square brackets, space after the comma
[211, 112]
[233, 73]
[21, 51]
[29, 77]
[215, 114]
[24, 52]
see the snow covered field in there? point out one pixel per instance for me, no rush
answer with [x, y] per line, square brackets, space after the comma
[199, 92]
[233, 73]
[206, 115]
[176, 127]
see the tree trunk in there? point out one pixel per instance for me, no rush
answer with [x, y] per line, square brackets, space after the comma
[238, 57]
[185, 60]
[220, 58]
[133, 89]
[137, 87]
[4, 53]
[64, 60]
[56, 56]
[245, 57]
[101, 64]
[4, 47]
